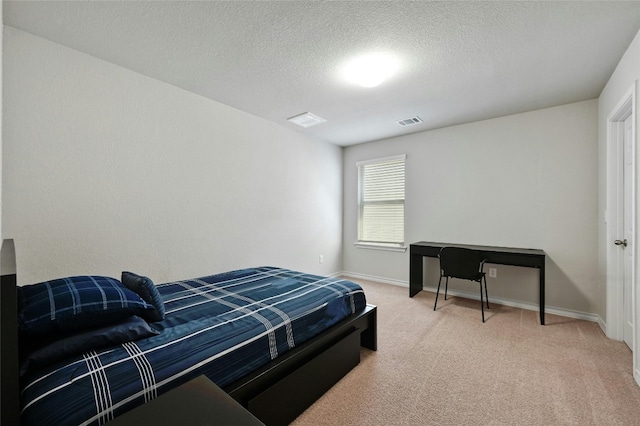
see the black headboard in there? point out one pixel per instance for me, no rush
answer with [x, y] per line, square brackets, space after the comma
[9, 387]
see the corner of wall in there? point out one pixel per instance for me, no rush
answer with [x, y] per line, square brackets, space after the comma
[1, 110]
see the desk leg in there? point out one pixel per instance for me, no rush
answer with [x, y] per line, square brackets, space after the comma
[415, 274]
[542, 285]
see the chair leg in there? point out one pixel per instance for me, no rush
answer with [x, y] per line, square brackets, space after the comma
[481, 302]
[486, 294]
[437, 293]
[446, 288]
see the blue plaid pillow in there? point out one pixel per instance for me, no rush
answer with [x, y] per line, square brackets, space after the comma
[76, 303]
[130, 329]
[146, 289]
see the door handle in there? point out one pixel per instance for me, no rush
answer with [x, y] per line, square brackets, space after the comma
[622, 243]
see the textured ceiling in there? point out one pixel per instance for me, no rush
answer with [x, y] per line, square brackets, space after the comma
[460, 61]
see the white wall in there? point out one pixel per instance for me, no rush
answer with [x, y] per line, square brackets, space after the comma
[106, 169]
[526, 180]
[1, 44]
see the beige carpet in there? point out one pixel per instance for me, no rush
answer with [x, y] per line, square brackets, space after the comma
[447, 368]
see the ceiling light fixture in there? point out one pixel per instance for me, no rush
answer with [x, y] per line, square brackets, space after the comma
[306, 119]
[370, 70]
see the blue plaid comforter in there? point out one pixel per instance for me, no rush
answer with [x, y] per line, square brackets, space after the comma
[224, 326]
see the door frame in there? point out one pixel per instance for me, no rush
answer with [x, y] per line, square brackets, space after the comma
[613, 218]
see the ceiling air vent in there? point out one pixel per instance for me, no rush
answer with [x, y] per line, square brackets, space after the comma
[410, 121]
[306, 119]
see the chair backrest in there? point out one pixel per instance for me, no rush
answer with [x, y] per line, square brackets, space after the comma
[459, 262]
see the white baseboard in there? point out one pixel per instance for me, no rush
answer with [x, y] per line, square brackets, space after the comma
[500, 301]
[602, 324]
[375, 279]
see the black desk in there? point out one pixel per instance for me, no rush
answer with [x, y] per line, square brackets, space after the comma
[530, 258]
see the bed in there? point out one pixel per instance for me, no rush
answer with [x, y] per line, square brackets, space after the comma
[270, 337]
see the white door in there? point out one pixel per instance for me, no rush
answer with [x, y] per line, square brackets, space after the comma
[628, 232]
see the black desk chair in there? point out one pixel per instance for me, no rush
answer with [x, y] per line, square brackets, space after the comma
[462, 263]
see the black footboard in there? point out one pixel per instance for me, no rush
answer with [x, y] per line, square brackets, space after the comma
[296, 380]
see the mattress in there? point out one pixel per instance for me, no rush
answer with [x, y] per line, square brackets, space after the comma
[225, 326]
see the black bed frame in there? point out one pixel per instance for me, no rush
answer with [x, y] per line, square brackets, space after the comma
[9, 388]
[276, 394]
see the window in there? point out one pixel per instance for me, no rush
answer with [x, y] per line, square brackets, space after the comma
[381, 202]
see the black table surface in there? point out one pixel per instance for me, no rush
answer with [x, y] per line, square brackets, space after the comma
[482, 248]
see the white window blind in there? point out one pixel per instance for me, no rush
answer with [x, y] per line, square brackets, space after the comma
[381, 200]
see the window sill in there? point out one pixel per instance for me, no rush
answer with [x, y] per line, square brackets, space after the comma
[386, 247]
